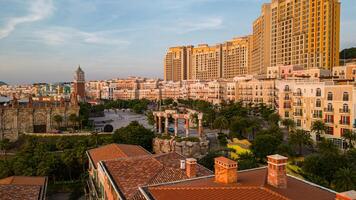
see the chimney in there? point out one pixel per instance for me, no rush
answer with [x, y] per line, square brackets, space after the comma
[182, 164]
[349, 195]
[191, 167]
[277, 174]
[225, 170]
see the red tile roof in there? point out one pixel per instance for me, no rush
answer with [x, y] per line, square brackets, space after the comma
[251, 184]
[131, 173]
[113, 151]
[22, 187]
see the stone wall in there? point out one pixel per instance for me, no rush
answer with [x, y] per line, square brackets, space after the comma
[185, 148]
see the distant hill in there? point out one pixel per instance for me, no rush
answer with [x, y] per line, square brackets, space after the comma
[2, 83]
[348, 56]
[348, 53]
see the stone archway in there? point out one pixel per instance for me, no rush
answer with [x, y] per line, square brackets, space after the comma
[39, 123]
[108, 128]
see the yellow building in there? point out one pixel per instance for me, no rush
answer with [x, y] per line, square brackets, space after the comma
[176, 64]
[261, 51]
[236, 57]
[305, 32]
[206, 62]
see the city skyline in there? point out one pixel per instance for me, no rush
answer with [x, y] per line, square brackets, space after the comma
[44, 41]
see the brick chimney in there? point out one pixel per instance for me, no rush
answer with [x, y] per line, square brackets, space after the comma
[277, 174]
[349, 195]
[225, 170]
[191, 167]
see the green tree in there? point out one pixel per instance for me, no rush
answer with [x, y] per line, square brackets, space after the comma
[264, 145]
[150, 118]
[345, 179]
[5, 146]
[73, 118]
[300, 138]
[289, 124]
[319, 128]
[135, 134]
[247, 161]
[68, 158]
[349, 136]
[327, 147]
[274, 118]
[208, 160]
[238, 127]
[221, 123]
[58, 119]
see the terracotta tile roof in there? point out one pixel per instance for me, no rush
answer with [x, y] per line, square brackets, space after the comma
[214, 193]
[21, 187]
[23, 192]
[23, 180]
[131, 173]
[113, 151]
[251, 184]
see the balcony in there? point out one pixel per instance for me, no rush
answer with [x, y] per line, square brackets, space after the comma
[343, 110]
[344, 122]
[328, 109]
[287, 90]
[297, 94]
[297, 104]
[296, 114]
[317, 116]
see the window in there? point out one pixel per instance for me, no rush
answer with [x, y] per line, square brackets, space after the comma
[345, 108]
[330, 107]
[318, 103]
[318, 92]
[330, 96]
[345, 96]
[286, 114]
[286, 88]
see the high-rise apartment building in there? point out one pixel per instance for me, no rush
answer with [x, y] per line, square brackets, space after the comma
[237, 56]
[261, 49]
[204, 62]
[305, 32]
[176, 63]
[301, 33]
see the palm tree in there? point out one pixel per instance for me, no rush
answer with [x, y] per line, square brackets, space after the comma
[274, 118]
[73, 119]
[4, 146]
[350, 136]
[289, 124]
[254, 125]
[300, 138]
[58, 119]
[221, 123]
[319, 128]
[344, 179]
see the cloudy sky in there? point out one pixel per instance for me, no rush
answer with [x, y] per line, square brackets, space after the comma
[45, 40]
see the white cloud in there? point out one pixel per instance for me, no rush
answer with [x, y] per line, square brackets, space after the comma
[39, 9]
[65, 35]
[198, 25]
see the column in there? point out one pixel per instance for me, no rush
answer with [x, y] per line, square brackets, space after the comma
[1, 133]
[159, 124]
[49, 128]
[187, 127]
[16, 130]
[156, 122]
[176, 126]
[166, 125]
[200, 128]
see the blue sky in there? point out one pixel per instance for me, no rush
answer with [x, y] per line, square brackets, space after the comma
[45, 40]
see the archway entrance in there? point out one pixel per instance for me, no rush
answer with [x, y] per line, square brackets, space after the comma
[108, 128]
[39, 128]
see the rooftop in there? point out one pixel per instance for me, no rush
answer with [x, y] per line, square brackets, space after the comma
[131, 173]
[113, 151]
[251, 184]
[24, 188]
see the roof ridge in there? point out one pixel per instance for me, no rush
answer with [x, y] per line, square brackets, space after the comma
[119, 149]
[274, 193]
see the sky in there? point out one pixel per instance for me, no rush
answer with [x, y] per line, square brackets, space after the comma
[46, 40]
